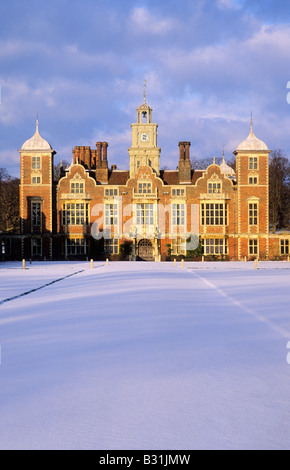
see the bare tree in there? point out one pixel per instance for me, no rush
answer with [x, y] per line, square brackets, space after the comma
[204, 163]
[9, 202]
[279, 182]
[3, 175]
[57, 170]
[232, 163]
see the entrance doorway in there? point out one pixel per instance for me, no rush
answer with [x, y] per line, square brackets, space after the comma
[145, 250]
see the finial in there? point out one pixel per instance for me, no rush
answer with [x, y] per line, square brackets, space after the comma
[224, 153]
[214, 160]
[37, 123]
[144, 92]
[252, 122]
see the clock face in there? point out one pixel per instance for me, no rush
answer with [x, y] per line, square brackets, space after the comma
[144, 138]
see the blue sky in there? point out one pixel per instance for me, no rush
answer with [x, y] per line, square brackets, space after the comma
[81, 64]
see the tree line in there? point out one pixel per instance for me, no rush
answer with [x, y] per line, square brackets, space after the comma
[9, 202]
[279, 194]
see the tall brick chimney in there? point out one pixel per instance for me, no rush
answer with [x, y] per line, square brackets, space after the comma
[184, 162]
[87, 157]
[181, 151]
[99, 155]
[187, 150]
[76, 153]
[105, 146]
[102, 171]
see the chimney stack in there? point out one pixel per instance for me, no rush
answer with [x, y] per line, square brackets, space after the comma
[87, 157]
[105, 154]
[99, 154]
[181, 151]
[184, 163]
[187, 150]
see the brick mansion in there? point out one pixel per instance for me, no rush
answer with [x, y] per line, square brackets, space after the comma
[145, 213]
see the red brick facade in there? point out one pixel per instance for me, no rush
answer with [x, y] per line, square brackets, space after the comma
[95, 212]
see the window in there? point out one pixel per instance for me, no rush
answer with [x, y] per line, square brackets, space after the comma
[178, 214]
[215, 246]
[36, 179]
[214, 188]
[253, 180]
[178, 246]
[76, 246]
[253, 214]
[111, 214]
[36, 163]
[36, 214]
[77, 188]
[253, 163]
[178, 192]
[284, 247]
[36, 246]
[145, 188]
[75, 214]
[111, 192]
[111, 246]
[145, 214]
[253, 247]
[214, 214]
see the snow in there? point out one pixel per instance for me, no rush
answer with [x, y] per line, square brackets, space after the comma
[145, 356]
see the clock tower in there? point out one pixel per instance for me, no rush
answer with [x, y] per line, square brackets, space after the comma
[144, 150]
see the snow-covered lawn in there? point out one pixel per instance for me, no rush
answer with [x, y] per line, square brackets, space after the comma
[145, 356]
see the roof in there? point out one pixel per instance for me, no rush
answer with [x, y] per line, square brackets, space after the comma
[36, 142]
[170, 177]
[119, 177]
[196, 175]
[252, 143]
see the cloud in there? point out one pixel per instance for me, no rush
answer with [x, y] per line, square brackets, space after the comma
[228, 5]
[207, 65]
[143, 22]
[119, 142]
[12, 48]
[239, 66]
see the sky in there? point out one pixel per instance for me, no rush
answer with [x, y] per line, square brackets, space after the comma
[80, 66]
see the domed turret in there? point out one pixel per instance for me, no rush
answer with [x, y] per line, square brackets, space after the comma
[252, 143]
[227, 170]
[36, 143]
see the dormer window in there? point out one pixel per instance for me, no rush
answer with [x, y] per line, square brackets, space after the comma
[214, 188]
[77, 187]
[144, 188]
